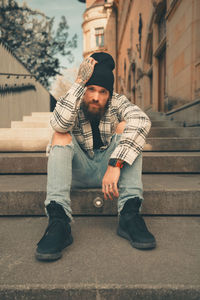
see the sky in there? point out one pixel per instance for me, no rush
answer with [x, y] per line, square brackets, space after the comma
[73, 11]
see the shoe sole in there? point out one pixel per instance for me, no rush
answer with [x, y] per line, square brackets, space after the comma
[52, 256]
[136, 245]
[48, 256]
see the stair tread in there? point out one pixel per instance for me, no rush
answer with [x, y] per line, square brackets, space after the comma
[163, 195]
[43, 133]
[101, 264]
[153, 162]
[43, 154]
[158, 182]
[177, 153]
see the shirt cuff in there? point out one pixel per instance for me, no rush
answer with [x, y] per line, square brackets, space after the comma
[125, 153]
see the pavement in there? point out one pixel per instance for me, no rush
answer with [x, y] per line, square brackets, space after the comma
[99, 264]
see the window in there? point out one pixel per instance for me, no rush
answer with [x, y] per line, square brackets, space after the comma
[99, 33]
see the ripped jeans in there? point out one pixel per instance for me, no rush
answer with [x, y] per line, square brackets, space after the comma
[69, 167]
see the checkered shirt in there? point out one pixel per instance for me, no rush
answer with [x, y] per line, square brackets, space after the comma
[69, 117]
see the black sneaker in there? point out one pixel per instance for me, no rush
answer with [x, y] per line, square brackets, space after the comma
[132, 226]
[57, 235]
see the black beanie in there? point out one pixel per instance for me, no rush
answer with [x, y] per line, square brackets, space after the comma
[102, 74]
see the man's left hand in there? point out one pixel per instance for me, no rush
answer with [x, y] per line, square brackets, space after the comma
[110, 181]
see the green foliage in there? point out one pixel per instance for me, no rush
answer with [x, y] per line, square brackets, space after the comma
[29, 33]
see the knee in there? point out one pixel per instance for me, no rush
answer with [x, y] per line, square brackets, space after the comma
[120, 127]
[61, 139]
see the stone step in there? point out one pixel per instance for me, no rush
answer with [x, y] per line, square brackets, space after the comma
[39, 114]
[153, 162]
[12, 140]
[171, 162]
[21, 124]
[100, 264]
[45, 117]
[172, 144]
[24, 132]
[174, 132]
[156, 116]
[24, 139]
[165, 123]
[27, 144]
[39, 118]
[156, 132]
[164, 194]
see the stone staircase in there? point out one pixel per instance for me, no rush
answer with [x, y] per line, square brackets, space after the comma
[101, 265]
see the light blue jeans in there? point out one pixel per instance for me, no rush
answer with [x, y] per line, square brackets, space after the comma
[69, 167]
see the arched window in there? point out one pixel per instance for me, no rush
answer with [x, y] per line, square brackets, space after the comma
[99, 34]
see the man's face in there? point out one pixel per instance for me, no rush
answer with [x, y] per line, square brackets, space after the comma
[94, 101]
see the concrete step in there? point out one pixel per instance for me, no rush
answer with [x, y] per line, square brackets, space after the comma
[24, 132]
[156, 132]
[27, 144]
[40, 117]
[172, 144]
[163, 194]
[45, 117]
[37, 118]
[153, 162]
[174, 132]
[37, 139]
[24, 139]
[165, 123]
[42, 121]
[156, 116]
[21, 124]
[100, 264]
[39, 114]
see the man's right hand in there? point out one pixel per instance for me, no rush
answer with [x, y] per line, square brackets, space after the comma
[85, 70]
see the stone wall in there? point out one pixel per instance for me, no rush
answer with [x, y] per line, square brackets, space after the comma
[20, 93]
[159, 59]
[187, 115]
[183, 55]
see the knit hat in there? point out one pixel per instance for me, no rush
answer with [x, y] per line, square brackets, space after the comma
[102, 74]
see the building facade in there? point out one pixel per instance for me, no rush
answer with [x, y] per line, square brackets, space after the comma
[156, 46]
[99, 28]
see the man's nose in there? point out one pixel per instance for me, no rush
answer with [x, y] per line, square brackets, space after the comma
[96, 96]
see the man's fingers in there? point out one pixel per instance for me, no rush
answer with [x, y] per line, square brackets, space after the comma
[115, 190]
[91, 60]
[105, 191]
[109, 190]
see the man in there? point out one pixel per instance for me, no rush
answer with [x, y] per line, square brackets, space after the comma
[98, 140]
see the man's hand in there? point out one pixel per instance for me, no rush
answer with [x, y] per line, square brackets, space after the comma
[110, 181]
[85, 70]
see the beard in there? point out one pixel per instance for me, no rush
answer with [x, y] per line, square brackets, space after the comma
[93, 115]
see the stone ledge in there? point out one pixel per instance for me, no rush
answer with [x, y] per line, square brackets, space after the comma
[163, 195]
[99, 264]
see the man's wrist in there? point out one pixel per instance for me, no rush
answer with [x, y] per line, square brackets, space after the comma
[114, 162]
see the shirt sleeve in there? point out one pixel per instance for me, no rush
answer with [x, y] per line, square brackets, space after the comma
[64, 114]
[136, 130]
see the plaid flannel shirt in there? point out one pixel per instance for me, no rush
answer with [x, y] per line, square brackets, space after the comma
[69, 117]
